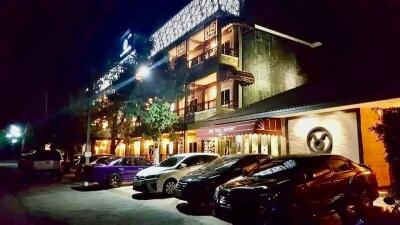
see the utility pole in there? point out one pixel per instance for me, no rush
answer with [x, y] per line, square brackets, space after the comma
[88, 152]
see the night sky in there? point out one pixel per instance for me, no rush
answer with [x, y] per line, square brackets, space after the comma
[47, 45]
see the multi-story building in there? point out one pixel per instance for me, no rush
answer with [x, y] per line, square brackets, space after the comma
[250, 91]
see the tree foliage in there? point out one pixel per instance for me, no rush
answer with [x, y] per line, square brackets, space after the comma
[388, 131]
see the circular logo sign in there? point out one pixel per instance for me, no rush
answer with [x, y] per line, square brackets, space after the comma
[319, 140]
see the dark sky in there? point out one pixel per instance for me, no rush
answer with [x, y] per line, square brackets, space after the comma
[46, 44]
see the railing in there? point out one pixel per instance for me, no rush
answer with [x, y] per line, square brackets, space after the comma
[230, 51]
[202, 106]
[202, 57]
[229, 104]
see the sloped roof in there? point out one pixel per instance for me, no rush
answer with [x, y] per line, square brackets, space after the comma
[313, 96]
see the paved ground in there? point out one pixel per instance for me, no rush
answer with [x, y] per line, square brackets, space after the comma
[28, 201]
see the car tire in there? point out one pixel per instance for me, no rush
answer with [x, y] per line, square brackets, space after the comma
[114, 180]
[169, 186]
[365, 200]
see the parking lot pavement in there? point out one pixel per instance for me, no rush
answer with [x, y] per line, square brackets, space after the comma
[26, 201]
[42, 200]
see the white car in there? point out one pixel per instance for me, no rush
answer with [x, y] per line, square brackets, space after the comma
[163, 177]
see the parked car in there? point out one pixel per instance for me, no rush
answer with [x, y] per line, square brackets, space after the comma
[78, 167]
[296, 187]
[163, 177]
[42, 161]
[113, 171]
[199, 186]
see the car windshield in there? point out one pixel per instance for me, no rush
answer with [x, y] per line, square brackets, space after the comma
[278, 169]
[223, 163]
[102, 160]
[172, 161]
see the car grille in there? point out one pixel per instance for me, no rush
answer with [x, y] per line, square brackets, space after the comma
[223, 198]
[181, 185]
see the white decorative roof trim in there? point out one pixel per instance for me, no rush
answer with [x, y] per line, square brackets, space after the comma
[189, 17]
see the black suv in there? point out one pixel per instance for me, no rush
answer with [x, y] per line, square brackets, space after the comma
[296, 187]
[199, 186]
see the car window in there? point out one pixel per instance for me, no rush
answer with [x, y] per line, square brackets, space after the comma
[318, 169]
[192, 161]
[339, 165]
[47, 155]
[126, 162]
[140, 162]
[207, 158]
[247, 161]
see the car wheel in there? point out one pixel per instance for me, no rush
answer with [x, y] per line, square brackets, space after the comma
[114, 180]
[169, 187]
[365, 200]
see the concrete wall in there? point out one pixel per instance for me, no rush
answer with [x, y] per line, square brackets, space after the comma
[341, 125]
[374, 150]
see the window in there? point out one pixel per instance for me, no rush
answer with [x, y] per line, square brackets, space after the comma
[339, 165]
[192, 161]
[127, 162]
[225, 97]
[140, 162]
[319, 169]
[208, 158]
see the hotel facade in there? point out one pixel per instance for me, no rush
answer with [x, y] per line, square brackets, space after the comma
[250, 92]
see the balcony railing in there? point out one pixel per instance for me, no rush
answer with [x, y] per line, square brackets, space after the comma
[229, 104]
[230, 51]
[202, 106]
[202, 57]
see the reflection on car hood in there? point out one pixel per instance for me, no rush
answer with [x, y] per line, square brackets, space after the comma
[154, 170]
[253, 182]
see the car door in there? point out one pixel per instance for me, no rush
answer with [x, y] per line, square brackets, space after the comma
[128, 168]
[318, 190]
[343, 172]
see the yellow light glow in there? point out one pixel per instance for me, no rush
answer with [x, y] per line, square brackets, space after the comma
[213, 93]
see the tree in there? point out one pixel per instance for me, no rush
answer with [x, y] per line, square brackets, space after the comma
[158, 119]
[116, 106]
[388, 131]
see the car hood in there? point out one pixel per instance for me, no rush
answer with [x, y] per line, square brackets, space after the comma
[254, 183]
[154, 170]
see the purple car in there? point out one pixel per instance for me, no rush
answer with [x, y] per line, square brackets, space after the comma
[115, 170]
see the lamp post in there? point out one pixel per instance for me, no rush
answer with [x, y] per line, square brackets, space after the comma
[14, 133]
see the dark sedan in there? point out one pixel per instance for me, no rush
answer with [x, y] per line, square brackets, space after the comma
[297, 187]
[114, 171]
[199, 185]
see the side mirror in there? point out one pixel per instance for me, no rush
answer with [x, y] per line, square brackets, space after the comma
[389, 200]
[183, 165]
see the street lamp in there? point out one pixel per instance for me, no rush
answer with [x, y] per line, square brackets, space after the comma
[142, 73]
[14, 132]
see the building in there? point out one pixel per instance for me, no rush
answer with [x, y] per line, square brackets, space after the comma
[251, 93]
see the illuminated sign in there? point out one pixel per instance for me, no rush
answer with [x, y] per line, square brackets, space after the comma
[126, 46]
[268, 126]
[319, 140]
